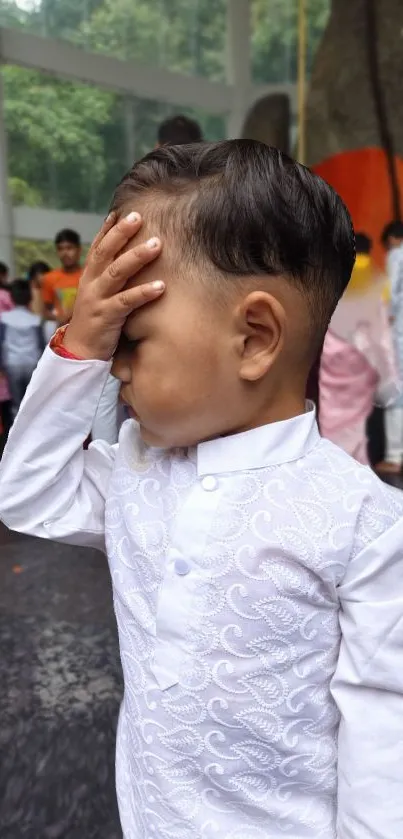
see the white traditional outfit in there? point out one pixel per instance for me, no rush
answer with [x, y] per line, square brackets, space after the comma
[258, 591]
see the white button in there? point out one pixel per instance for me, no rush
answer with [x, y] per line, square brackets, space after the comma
[182, 567]
[209, 483]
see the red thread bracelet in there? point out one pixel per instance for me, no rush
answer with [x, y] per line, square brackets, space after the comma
[56, 344]
[63, 353]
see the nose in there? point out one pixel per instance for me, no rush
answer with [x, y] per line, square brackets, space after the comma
[121, 368]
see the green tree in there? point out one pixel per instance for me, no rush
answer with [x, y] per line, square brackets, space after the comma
[68, 143]
[55, 136]
[275, 37]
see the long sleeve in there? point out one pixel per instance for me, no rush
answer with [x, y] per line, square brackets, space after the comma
[49, 486]
[368, 689]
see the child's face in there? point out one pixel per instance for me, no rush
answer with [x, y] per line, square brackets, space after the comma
[177, 362]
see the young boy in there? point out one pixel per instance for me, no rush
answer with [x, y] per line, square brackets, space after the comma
[59, 287]
[21, 342]
[257, 569]
[357, 364]
[35, 276]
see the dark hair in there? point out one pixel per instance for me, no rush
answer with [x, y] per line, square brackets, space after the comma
[37, 268]
[251, 210]
[67, 235]
[363, 243]
[20, 292]
[4, 269]
[179, 130]
[394, 229]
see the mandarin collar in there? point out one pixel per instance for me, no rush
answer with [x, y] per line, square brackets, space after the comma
[267, 445]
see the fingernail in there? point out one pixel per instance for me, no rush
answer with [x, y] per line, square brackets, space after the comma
[152, 243]
[158, 285]
[132, 217]
[110, 216]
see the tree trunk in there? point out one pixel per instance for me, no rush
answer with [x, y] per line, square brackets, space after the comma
[269, 121]
[355, 112]
[341, 111]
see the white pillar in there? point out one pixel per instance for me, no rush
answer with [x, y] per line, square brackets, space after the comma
[6, 213]
[238, 63]
[130, 114]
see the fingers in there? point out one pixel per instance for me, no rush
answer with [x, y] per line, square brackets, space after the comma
[130, 299]
[126, 266]
[107, 225]
[112, 238]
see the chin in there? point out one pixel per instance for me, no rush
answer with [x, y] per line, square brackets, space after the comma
[160, 441]
[151, 438]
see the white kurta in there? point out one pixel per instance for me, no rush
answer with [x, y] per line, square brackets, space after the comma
[258, 589]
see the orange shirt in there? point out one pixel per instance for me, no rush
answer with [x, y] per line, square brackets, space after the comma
[59, 289]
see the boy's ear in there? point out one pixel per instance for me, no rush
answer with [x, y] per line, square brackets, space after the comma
[262, 324]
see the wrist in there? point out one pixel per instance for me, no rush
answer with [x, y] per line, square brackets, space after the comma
[77, 349]
[57, 344]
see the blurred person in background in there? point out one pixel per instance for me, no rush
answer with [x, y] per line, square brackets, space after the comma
[35, 277]
[312, 389]
[5, 297]
[178, 131]
[357, 364]
[4, 275]
[59, 287]
[6, 304]
[21, 342]
[392, 240]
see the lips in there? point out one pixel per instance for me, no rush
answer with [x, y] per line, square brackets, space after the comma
[132, 412]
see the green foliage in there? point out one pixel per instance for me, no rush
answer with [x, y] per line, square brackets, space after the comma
[69, 144]
[275, 37]
[55, 137]
[27, 251]
[23, 194]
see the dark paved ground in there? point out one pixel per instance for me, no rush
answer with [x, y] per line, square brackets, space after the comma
[60, 687]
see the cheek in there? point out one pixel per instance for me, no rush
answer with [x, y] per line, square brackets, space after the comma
[170, 376]
[155, 373]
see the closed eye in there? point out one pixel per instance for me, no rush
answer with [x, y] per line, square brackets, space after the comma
[127, 344]
[133, 343]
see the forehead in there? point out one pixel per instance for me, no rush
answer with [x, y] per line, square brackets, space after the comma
[190, 279]
[162, 216]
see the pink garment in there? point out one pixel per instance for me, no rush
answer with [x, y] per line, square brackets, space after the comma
[357, 368]
[347, 386]
[6, 304]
